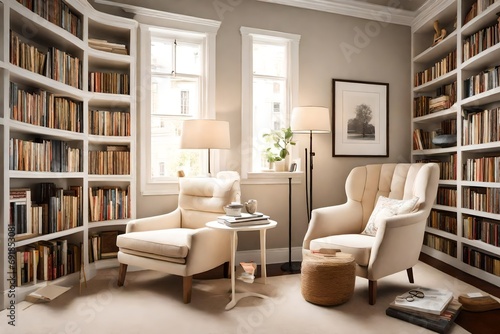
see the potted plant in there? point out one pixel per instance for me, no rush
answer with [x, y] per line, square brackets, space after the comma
[279, 142]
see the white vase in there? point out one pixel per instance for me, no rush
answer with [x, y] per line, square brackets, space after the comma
[283, 165]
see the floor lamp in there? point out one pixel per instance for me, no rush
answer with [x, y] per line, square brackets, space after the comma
[310, 120]
[205, 134]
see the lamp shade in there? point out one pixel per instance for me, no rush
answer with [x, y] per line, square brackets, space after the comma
[307, 119]
[205, 133]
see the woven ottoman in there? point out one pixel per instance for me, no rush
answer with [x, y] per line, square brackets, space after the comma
[327, 280]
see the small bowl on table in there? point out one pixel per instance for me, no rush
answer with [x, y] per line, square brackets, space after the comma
[233, 209]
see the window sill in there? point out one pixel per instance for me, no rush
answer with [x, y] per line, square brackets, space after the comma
[272, 178]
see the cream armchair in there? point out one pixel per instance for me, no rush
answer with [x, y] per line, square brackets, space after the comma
[382, 223]
[178, 242]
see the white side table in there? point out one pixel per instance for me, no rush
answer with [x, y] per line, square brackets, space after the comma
[235, 297]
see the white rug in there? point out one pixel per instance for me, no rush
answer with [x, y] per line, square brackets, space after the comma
[151, 302]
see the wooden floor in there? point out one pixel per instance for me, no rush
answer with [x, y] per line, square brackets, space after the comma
[474, 322]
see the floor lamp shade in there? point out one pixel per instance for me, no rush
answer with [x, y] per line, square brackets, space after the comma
[205, 133]
[307, 119]
[310, 120]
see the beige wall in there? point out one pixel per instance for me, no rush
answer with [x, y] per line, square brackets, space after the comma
[381, 53]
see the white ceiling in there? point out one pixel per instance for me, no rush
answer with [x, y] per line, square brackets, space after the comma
[395, 11]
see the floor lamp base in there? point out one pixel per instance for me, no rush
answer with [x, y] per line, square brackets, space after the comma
[291, 267]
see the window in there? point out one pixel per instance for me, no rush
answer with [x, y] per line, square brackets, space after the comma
[178, 78]
[269, 90]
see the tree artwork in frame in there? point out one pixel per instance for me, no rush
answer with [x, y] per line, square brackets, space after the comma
[360, 119]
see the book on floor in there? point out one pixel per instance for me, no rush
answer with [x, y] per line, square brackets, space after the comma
[440, 323]
[46, 293]
[433, 301]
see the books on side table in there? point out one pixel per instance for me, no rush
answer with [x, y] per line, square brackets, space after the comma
[434, 309]
[245, 219]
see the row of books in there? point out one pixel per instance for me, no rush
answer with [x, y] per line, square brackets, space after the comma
[104, 45]
[443, 221]
[245, 219]
[46, 260]
[102, 245]
[479, 228]
[447, 169]
[56, 12]
[45, 109]
[441, 244]
[59, 210]
[422, 139]
[109, 82]
[109, 123]
[434, 309]
[480, 41]
[481, 126]
[447, 196]
[482, 82]
[109, 203]
[53, 63]
[481, 199]
[485, 169]
[42, 155]
[477, 8]
[110, 162]
[486, 262]
[441, 67]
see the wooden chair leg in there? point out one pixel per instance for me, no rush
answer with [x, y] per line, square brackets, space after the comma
[122, 273]
[187, 284]
[372, 292]
[409, 271]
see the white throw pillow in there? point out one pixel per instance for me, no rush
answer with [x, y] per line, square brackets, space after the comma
[387, 207]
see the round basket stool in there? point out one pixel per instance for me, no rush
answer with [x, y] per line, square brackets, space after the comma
[327, 280]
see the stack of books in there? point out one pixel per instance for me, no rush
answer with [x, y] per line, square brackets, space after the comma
[436, 311]
[439, 103]
[245, 219]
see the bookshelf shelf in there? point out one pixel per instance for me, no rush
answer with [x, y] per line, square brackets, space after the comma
[435, 83]
[438, 51]
[453, 248]
[51, 236]
[61, 199]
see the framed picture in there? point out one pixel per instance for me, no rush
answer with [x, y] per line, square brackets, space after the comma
[360, 119]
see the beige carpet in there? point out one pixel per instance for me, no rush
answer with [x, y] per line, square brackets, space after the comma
[151, 302]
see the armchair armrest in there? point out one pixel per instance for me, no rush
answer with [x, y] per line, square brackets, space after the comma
[402, 234]
[338, 219]
[168, 220]
[209, 248]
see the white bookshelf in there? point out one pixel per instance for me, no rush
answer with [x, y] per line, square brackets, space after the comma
[424, 55]
[35, 30]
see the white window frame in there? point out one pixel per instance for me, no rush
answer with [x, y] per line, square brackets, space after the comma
[248, 35]
[175, 24]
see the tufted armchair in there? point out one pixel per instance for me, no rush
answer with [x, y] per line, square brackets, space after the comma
[178, 242]
[383, 221]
